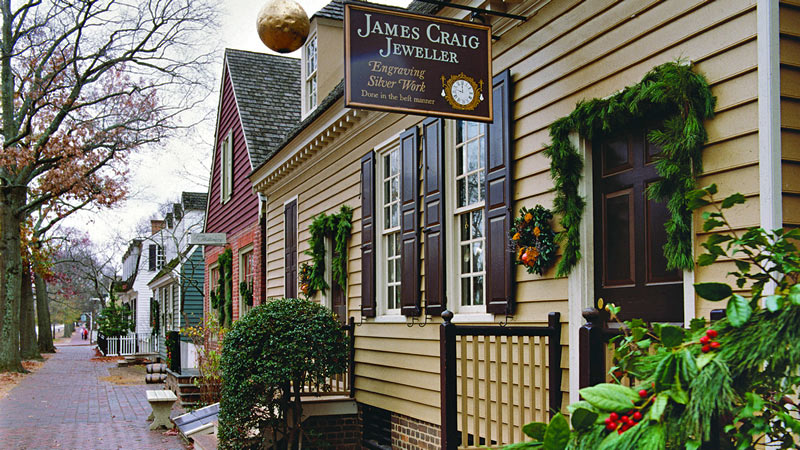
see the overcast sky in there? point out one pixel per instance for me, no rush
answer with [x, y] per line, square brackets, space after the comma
[161, 173]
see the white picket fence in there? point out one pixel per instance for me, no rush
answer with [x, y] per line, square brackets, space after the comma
[132, 344]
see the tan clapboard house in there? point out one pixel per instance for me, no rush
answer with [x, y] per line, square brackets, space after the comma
[428, 234]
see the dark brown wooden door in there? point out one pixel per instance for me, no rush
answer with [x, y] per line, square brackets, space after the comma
[290, 247]
[630, 267]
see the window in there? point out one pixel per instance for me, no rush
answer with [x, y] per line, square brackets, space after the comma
[466, 174]
[311, 74]
[176, 307]
[389, 267]
[159, 257]
[246, 274]
[226, 168]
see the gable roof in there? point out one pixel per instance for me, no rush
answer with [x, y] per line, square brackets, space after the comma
[267, 93]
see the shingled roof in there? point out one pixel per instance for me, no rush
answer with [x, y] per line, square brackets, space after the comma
[267, 91]
[333, 10]
[194, 200]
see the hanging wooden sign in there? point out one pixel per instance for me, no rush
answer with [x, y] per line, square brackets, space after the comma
[402, 62]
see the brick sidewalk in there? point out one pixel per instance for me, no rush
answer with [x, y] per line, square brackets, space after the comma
[65, 405]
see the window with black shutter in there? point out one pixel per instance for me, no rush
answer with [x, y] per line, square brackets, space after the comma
[290, 248]
[368, 235]
[151, 260]
[467, 205]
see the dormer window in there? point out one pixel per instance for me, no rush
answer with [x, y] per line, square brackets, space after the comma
[226, 169]
[311, 74]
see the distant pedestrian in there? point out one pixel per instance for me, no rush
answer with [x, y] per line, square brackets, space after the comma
[85, 334]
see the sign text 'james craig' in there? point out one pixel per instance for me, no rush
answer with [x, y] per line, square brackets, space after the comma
[402, 62]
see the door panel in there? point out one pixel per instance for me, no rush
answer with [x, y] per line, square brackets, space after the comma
[630, 268]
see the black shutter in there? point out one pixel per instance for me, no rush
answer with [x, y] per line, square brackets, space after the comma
[290, 250]
[368, 235]
[435, 260]
[499, 267]
[151, 263]
[409, 223]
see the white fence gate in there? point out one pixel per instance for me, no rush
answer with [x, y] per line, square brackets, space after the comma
[132, 344]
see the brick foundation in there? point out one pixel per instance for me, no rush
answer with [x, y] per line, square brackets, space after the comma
[414, 434]
[333, 432]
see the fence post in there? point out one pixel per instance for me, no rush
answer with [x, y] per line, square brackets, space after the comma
[554, 355]
[447, 381]
[591, 348]
[351, 374]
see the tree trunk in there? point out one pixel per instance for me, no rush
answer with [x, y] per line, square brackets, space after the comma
[28, 347]
[11, 200]
[43, 315]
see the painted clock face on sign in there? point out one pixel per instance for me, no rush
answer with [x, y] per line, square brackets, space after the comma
[462, 92]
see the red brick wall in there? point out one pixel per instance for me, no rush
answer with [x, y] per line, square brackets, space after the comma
[414, 434]
[236, 242]
[333, 432]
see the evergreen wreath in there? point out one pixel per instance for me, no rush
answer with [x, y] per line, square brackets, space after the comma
[222, 297]
[533, 239]
[671, 92]
[338, 226]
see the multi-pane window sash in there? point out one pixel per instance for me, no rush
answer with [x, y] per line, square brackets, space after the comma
[159, 257]
[391, 227]
[470, 176]
[247, 275]
[311, 73]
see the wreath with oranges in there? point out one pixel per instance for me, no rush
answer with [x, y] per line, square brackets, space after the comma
[533, 239]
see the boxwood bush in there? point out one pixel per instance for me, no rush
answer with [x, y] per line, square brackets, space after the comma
[266, 356]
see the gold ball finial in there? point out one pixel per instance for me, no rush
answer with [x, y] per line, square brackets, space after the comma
[283, 25]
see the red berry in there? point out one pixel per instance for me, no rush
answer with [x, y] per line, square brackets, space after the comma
[613, 417]
[706, 349]
[618, 373]
[705, 340]
[630, 413]
[715, 344]
[643, 393]
[637, 416]
[608, 420]
[627, 426]
[620, 431]
[711, 333]
[611, 426]
[624, 419]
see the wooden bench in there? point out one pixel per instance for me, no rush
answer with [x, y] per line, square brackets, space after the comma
[161, 401]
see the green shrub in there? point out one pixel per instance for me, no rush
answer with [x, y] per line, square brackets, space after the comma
[268, 354]
[115, 320]
[725, 385]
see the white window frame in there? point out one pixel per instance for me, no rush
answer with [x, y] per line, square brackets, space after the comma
[176, 306]
[452, 212]
[226, 168]
[160, 257]
[310, 79]
[326, 295]
[381, 234]
[243, 252]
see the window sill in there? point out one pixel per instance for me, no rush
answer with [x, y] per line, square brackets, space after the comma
[473, 318]
[390, 319]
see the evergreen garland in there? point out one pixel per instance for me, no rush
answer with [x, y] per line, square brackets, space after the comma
[672, 92]
[338, 226]
[222, 297]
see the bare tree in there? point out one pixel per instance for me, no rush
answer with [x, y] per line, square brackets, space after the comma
[82, 84]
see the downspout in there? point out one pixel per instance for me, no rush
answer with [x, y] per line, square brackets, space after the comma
[769, 119]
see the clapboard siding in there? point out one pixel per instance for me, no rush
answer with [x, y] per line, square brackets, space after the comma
[242, 208]
[789, 20]
[567, 52]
